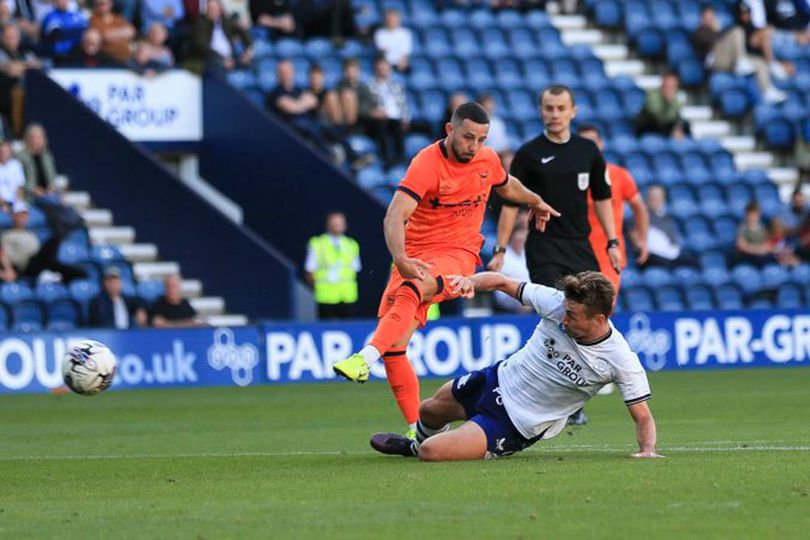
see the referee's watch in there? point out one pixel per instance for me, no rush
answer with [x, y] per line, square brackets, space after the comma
[612, 243]
[497, 250]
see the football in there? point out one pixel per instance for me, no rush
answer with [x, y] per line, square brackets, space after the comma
[88, 367]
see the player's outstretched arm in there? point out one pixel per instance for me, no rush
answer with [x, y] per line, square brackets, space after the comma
[516, 192]
[645, 430]
[399, 210]
[483, 281]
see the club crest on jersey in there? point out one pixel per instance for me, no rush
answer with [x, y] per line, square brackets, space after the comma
[482, 175]
[583, 180]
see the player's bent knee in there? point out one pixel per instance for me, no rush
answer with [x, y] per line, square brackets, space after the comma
[430, 451]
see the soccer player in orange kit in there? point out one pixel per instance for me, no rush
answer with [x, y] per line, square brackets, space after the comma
[433, 229]
[623, 189]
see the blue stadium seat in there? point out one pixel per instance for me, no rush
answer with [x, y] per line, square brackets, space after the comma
[509, 19]
[712, 259]
[451, 75]
[608, 13]
[64, 312]
[50, 292]
[521, 105]
[699, 298]
[747, 278]
[779, 133]
[633, 101]
[150, 290]
[288, 48]
[638, 299]
[371, 177]
[72, 253]
[12, 293]
[437, 45]
[668, 299]
[414, 142]
[453, 18]
[262, 49]
[494, 44]
[767, 195]
[481, 19]
[729, 297]
[508, 74]
[522, 43]
[650, 42]
[656, 277]
[801, 274]
[102, 254]
[317, 48]
[789, 296]
[725, 229]
[774, 275]
[631, 277]
[362, 144]
[760, 303]
[686, 277]
[241, 79]
[27, 313]
[537, 19]
[696, 170]
[716, 276]
[734, 102]
[433, 105]
[422, 80]
[465, 43]
[536, 75]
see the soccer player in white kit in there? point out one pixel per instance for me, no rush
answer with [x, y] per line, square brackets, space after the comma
[574, 351]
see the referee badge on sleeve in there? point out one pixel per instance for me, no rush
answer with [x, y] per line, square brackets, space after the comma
[583, 180]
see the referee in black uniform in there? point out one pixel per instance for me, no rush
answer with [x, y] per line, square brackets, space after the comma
[561, 167]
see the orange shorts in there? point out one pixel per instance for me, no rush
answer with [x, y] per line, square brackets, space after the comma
[443, 263]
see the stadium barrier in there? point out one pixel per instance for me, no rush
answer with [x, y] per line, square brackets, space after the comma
[277, 352]
[231, 260]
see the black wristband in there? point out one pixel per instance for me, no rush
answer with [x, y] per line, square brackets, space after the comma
[612, 243]
[498, 250]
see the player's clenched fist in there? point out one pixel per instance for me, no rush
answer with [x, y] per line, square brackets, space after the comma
[462, 286]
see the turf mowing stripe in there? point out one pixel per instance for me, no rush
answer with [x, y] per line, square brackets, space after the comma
[582, 448]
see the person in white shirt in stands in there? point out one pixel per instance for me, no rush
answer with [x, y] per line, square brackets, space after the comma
[12, 178]
[389, 120]
[574, 351]
[514, 265]
[394, 41]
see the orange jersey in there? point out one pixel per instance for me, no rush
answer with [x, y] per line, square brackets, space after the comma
[623, 188]
[452, 199]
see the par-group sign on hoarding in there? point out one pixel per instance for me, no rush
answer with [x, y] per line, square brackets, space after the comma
[167, 107]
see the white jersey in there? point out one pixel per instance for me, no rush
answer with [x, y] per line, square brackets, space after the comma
[553, 376]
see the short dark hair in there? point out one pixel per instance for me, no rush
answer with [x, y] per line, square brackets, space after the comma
[591, 289]
[752, 206]
[380, 58]
[469, 111]
[350, 62]
[582, 128]
[556, 90]
[315, 67]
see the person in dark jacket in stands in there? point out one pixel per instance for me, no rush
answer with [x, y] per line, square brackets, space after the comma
[89, 53]
[218, 44]
[111, 309]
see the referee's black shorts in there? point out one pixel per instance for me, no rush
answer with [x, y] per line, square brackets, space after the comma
[550, 258]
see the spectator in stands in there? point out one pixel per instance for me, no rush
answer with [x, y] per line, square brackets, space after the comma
[111, 309]
[661, 113]
[791, 21]
[331, 266]
[329, 18]
[14, 60]
[803, 240]
[89, 53]
[12, 178]
[498, 138]
[752, 238]
[664, 242]
[7, 272]
[275, 15]
[328, 104]
[394, 41]
[23, 16]
[795, 213]
[166, 12]
[62, 29]
[453, 102]
[752, 18]
[28, 256]
[155, 46]
[219, 44]
[778, 240]
[37, 162]
[117, 33]
[388, 121]
[514, 264]
[356, 100]
[172, 310]
[142, 63]
[726, 51]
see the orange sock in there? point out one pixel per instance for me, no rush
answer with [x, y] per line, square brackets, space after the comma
[396, 322]
[404, 384]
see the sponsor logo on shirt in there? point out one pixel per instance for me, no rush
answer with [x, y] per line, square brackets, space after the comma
[566, 365]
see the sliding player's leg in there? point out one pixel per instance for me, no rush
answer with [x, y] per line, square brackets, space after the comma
[403, 380]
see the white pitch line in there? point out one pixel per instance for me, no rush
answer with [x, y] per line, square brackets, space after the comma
[552, 449]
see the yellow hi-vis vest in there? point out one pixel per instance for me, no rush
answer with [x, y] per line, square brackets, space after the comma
[335, 278]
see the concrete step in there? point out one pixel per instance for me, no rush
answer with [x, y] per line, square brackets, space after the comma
[703, 129]
[582, 37]
[111, 235]
[696, 112]
[784, 175]
[648, 82]
[139, 252]
[631, 68]
[611, 52]
[208, 305]
[192, 288]
[226, 320]
[753, 160]
[744, 143]
[568, 22]
[154, 270]
[79, 200]
[97, 217]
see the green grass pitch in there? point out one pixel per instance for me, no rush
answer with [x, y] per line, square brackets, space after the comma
[294, 462]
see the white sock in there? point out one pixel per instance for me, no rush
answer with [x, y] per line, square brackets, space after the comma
[369, 354]
[412, 427]
[423, 432]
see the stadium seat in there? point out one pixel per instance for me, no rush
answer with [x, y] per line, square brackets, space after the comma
[685, 276]
[656, 277]
[638, 299]
[608, 13]
[760, 303]
[729, 297]
[789, 296]
[150, 290]
[64, 313]
[72, 253]
[12, 293]
[105, 253]
[370, 177]
[27, 313]
[774, 275]
[801, 274]
[747, 278]
[50, 292]
[668, 299]
[414, 143]
[699, 298]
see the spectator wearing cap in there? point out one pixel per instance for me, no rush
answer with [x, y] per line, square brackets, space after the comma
[172, 310]
[28, 255]
[112, 309]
